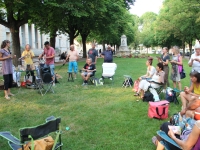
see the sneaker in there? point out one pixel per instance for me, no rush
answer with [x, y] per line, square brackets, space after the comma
[86, 83]
[54, 84]
[83, 84]
[110, 78]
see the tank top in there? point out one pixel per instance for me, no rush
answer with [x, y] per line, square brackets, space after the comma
[196, 89]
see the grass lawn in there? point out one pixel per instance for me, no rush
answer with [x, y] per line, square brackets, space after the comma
[105, 117]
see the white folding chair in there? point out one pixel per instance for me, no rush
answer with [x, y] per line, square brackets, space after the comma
[108, 71]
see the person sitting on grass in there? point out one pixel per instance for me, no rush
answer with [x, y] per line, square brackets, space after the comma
[88, 71]
[192, 142]
[188, 95]
[155, 82]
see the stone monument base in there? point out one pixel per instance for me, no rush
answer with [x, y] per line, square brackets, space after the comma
[123, 51]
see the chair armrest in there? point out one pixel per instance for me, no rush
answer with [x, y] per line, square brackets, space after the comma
[50, 118]
[9, 137]
[151, 81]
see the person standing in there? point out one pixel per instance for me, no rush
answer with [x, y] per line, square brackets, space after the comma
[49, 54]
[108, 55]
[73, 58]
[28, 55]
[93, 54]
[165, 58]
[176, 62]
[7, 68]
[194, 61]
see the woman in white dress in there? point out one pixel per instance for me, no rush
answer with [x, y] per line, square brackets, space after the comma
[150, 69]
[155, 82]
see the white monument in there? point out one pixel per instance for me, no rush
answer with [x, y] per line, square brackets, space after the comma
[123, 49]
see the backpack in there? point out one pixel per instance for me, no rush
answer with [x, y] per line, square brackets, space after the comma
[136, 86]
[97, 81]
[148, 97]
[169, 94]
[174, 120]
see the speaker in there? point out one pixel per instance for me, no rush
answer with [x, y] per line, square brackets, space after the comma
[46, 75]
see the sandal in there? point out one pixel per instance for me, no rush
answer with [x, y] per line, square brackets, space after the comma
[136, 94]
[10, 94]
[154, 140]
[7, 97]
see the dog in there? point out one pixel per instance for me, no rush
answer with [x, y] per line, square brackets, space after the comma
[58, 76]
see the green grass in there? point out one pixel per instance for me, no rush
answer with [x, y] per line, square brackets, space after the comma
[105, 117]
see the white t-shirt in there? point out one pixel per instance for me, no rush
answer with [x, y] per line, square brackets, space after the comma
[196, 64]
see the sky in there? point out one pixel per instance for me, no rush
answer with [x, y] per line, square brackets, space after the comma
[142, 6]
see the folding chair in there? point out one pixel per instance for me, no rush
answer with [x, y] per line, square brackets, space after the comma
[126, 82]
[92, 77]
[108, 71]
[44, 80]
[166, 139]
[29, 134]
[158, 90]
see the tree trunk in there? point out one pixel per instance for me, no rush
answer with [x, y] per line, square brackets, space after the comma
[84, 38]
[15, 44]
[183, 45]
[190, 46]
[104, 48]
[53, 37]
[71, 37]
[53, 41]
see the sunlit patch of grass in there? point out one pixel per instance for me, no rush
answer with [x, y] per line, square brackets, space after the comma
[102, 117]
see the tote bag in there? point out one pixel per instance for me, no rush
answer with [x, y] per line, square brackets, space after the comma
[158, 110]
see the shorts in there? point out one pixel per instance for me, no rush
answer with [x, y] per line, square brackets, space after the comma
[51, 66]
[74, 65]
[86, 73]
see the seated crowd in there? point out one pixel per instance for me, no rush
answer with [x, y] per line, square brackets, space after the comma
[189, 114]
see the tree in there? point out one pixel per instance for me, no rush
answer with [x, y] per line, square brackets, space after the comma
[112, 24]
[147, 36]
[13, 14]
[178, 20]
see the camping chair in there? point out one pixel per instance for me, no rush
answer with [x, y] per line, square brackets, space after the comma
[108, 71]
[29, 134]
[92, 77]
[165, 138]
[44, 80]
[158, 90]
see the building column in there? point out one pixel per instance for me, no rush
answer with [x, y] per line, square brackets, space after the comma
[39, 39]
[33, 36]
[26, 34]
[43, 39]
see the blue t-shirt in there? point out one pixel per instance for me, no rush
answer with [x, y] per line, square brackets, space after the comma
[108, 55]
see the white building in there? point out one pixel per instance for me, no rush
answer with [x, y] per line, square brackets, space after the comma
[30, 35]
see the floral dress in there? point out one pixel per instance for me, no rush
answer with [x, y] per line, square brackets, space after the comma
[175, 75]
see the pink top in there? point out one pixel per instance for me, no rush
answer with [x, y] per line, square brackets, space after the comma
[49, 52]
